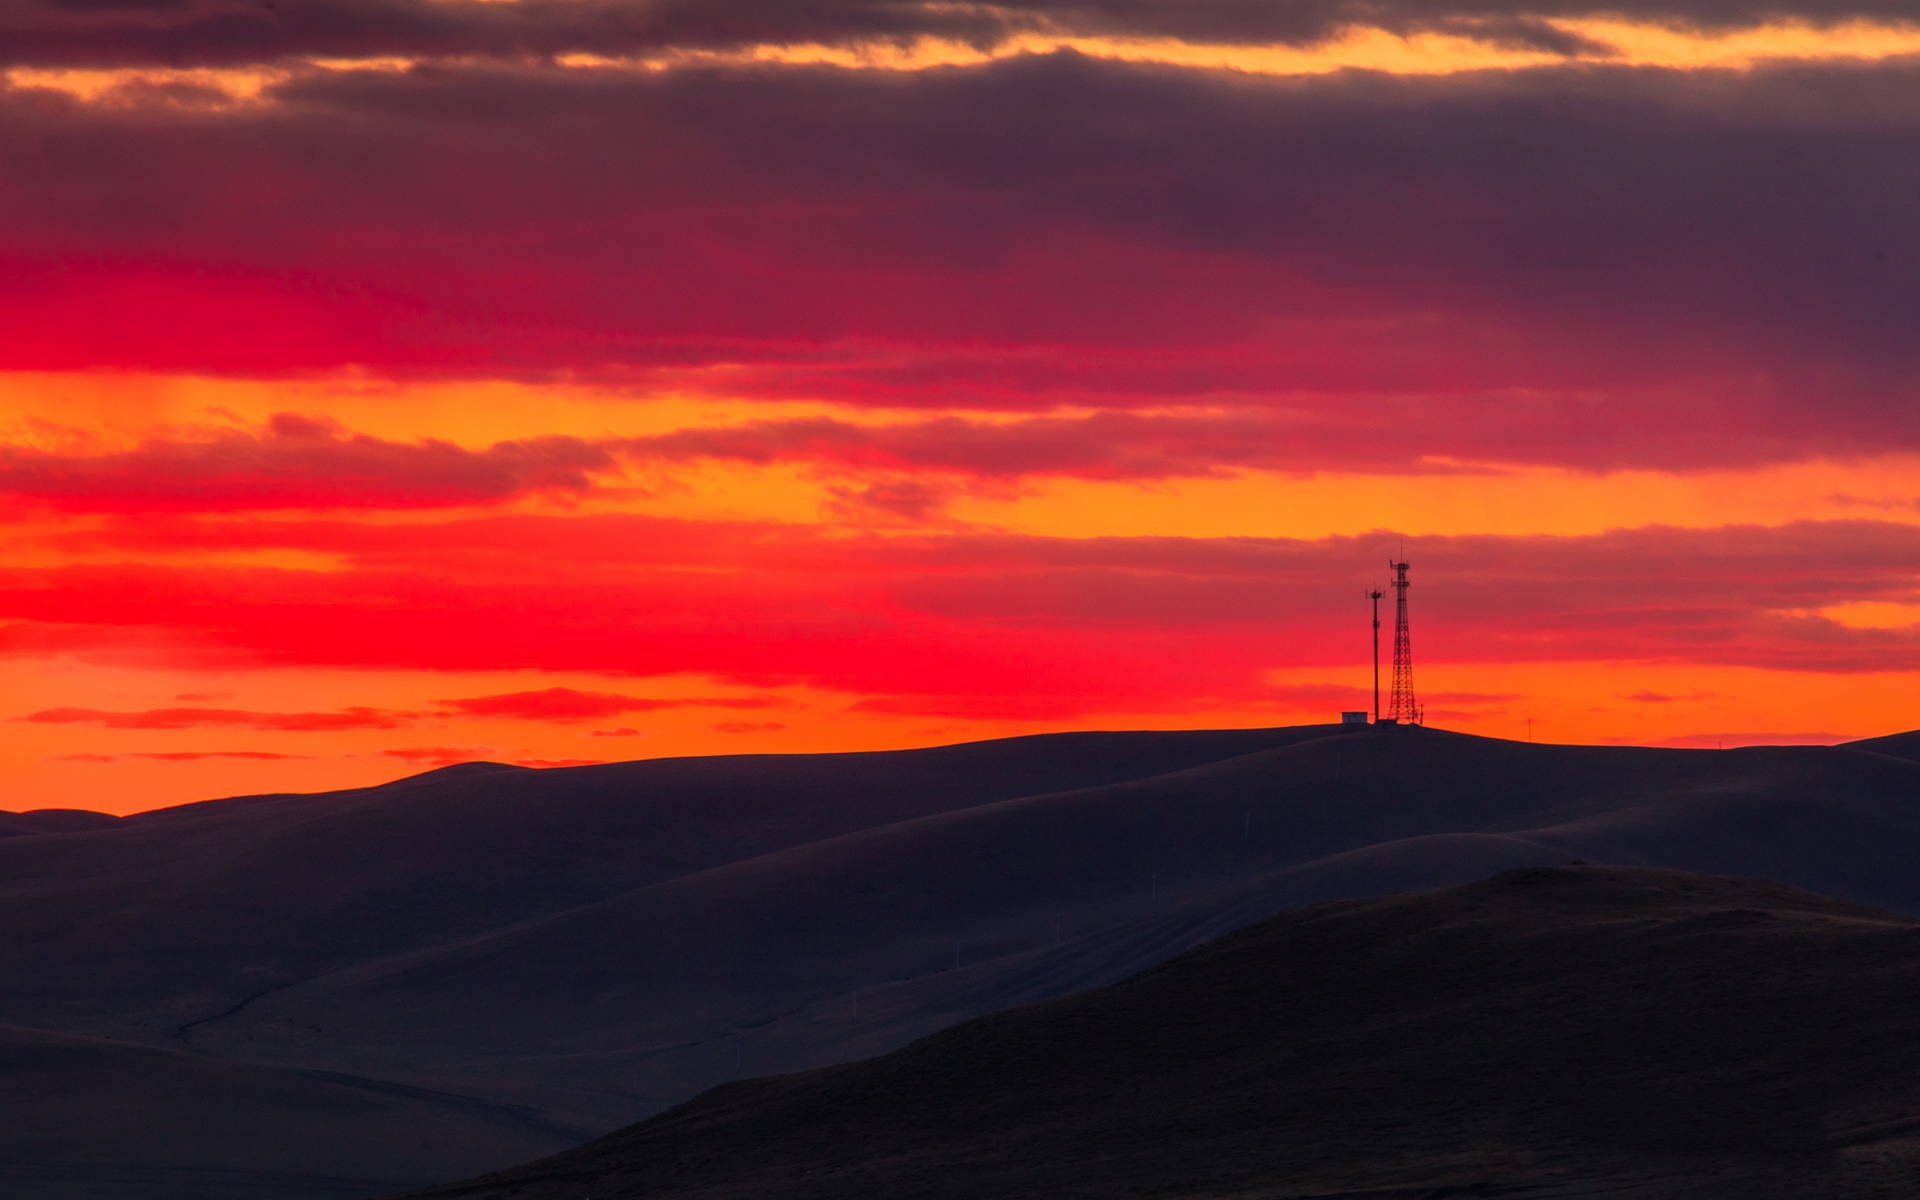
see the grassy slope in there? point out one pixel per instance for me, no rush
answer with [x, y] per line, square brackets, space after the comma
[1545, 1032]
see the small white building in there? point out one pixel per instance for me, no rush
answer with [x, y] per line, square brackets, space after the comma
[1354, 718]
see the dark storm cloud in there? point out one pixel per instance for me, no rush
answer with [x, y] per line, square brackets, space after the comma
[229, 32]
[1106, 446]
[1519, 22]
[296, 462]
[226, 32]
[1112, 446]
[1597, 267]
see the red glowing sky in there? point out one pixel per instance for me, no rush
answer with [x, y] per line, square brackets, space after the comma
[394, 382]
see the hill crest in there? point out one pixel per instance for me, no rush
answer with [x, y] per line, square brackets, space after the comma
[1535, 1034]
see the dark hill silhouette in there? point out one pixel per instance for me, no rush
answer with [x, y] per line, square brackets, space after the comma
[1579, 1031]
[86, 1118]
[766, 963]
[256, 892]
[55, 820]
[590, 945]
[1899, 745]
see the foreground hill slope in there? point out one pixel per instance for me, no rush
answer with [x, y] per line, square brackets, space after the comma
[85, 1118]
[1558, 1032]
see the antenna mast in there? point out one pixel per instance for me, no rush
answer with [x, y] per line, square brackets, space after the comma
[1402, 706]
[1374, 596]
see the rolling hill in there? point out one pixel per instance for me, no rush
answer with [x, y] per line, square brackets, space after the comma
[563, 952]
[1549, 1032]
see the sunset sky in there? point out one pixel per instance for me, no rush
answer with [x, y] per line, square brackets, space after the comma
[390, 383]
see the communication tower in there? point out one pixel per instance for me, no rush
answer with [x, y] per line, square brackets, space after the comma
[1402, 707]
[1374, 595]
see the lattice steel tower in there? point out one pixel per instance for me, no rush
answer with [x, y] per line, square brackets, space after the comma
[1402, 706]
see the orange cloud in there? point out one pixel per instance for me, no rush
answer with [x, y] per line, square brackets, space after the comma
[439, 756]
[182, 756]
[194, 718]
[569, 705]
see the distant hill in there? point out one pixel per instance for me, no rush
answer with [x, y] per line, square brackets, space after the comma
[55, 820]
[177, 914]
[567, 951]
[1576, 1031]
[1899, 745]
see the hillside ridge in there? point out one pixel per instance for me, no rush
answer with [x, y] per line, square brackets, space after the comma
[1547, 1031]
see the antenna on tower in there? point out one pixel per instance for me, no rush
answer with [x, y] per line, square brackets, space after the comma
[1402, 707]
[1374, 595]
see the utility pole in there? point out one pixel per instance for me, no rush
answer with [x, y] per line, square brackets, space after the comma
[1374, 596]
